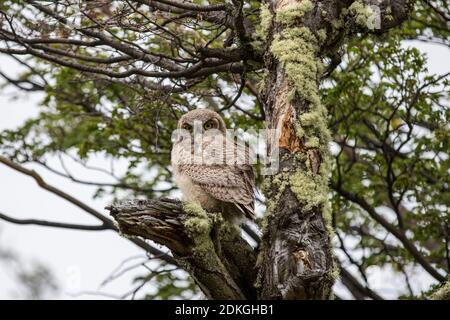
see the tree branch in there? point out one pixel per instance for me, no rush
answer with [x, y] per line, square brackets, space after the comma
[40, 181]
[53, 224]
[399, 234]
[106, 222]
[218, 259]
[356, 288]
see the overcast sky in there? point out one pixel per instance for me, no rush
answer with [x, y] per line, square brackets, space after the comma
[81, 260]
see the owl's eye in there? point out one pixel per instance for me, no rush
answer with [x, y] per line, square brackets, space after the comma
[187, 126]
[208, 125]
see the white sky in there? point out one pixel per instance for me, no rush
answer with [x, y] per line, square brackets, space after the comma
[81, 260]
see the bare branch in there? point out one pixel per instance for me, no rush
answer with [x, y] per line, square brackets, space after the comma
[53, 224]
[106, 222]
[40, 181]
[187, 5]
[356, 288]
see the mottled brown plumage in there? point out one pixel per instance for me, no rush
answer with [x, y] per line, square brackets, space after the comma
[212, 169]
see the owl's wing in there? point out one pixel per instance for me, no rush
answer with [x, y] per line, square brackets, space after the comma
[228, 183]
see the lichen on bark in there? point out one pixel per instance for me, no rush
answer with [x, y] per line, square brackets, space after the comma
[262, 28]
[198, 222]
[199, 225]
[290, 13]
[296, 248]
[362, 14]
[277, 182]
[297, 49]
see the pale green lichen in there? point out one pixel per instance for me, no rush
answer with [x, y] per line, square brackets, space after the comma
[335, 273]
[337, 23]
[328, 218]
[297, 49]
[261, 29]
[322, 35]
[314, 127]
[265, 18]
[388, 13]
[310, 189]
[290, 13]
[310, 118]
[299, 130]
[363, 14]
[200, 226]
[228, 231]
[277, 182]
[312, 142]
[333, 276]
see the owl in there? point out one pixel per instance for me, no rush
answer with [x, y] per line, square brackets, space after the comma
[211, 168]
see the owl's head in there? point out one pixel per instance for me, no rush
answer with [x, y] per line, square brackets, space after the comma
[202, 120]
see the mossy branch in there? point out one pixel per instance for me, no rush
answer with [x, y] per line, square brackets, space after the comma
[210, 249]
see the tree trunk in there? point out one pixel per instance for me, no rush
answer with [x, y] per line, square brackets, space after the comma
[297, 261]
[295, 255]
